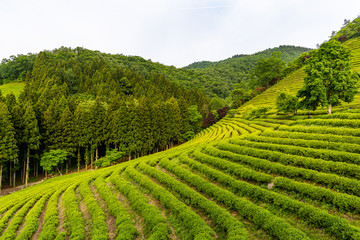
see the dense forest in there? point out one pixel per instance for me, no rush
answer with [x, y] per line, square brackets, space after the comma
[213, 78]
[84, 103]
[218, 78]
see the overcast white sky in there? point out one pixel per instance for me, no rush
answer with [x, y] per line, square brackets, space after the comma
[173, 32]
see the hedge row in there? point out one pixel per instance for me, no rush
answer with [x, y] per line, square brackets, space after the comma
[245, 126]
[285, 154]
[197, 227]
[51, 219]
[17, 219]
[334, 225]
[32, 217]
[233, 228]
[340, 115]
[5, 218]
[272, 224]
[352, 123]
[341, 201]
[125, 227]
[343, 143]
[322, 130]
[342, 184]
[342, 147]
[99, 229]
[155, 223]
[74, 221]
[233, 168]
[267, 124]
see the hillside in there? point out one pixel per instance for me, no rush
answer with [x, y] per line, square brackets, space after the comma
[248, 61]
[294, 81]
[12, 87]
[216, 79]
[298, 182]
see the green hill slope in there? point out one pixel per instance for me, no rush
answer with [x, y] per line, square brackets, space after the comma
[295, 80]
[12, 87]
[236, 180]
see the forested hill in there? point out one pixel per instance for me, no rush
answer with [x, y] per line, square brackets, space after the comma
[248, 61]
[219, 77]
[83, 103]
[212, 78]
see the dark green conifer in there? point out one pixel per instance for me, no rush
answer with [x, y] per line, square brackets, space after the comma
[31, 136]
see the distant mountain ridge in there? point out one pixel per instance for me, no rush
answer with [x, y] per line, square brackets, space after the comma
[288, 53]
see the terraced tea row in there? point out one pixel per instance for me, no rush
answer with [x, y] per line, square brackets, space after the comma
[238, 179]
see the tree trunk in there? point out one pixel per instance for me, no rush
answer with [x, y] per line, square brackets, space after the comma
[91, 158]
[0, 176]
[78, 159]
[27, 167]
[10, 173]
[96, 155]
[14, 173]
[45, 174]
[24, 172]
[329, 109]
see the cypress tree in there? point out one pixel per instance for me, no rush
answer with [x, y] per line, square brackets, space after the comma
[81, 136]
[31, 136]
[97, 127]
[8, 148]
[67, 134]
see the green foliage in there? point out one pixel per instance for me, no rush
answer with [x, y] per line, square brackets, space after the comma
[349, 30]
[154, 221]
[99, 229]
[269, 69]
[286, 102]
[53, 159]
[111, 157]
[124, 222]
[335, 225]
[250, 112]
[243, 155]
[16, 67]
[74, 222]
[274, 225]
[219, 77]
[12, 87]
[232, 227]
[216, 103]
[329, 78]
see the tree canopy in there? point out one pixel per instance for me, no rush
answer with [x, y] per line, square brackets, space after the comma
[329, 77]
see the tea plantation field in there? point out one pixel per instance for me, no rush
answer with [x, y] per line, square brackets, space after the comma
[269, 178]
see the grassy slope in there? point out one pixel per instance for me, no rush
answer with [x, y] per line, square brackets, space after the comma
[13, 87]
[237, 178]
[294, 81]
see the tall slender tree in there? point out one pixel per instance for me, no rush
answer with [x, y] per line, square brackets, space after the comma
[31, 136]
[67, 135]
[97, 127]
[8, 148]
